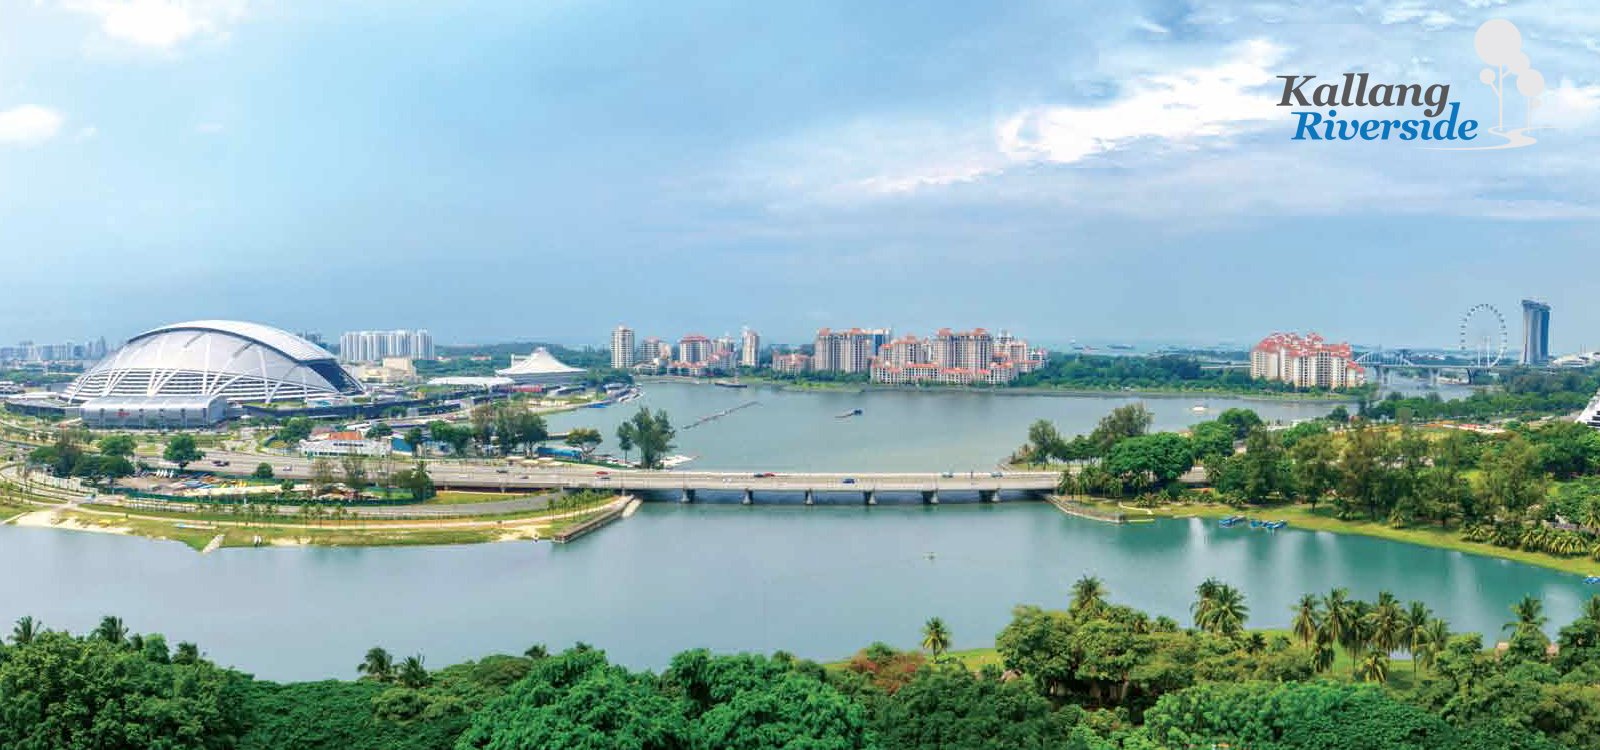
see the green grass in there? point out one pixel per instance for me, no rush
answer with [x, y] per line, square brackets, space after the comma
[462, 497]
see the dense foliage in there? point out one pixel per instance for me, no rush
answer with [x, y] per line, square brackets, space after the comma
[1093, 676]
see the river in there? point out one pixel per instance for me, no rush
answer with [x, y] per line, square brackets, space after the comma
[820, 582]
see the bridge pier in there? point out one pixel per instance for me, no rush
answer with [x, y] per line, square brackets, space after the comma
[749, 496]
[809, 499]
[687, 497]
[869, 497]
[930, 497]
[988, 496]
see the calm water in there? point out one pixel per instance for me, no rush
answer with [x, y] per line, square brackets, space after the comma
[820, 582]
[897, 431]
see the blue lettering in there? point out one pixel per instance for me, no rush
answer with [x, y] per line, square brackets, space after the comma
[1307, 126]
[1408, 130]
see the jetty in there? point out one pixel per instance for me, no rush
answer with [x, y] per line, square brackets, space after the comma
[1074, 508]
[605, 516]
[719, 415]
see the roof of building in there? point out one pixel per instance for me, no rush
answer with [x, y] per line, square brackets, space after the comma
[472, 381]
[283, 341]
[146, 402]
[540, 362]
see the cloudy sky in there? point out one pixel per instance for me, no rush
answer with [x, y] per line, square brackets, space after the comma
[499, 170]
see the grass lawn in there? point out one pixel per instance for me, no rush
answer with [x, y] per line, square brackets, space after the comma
[463, 497]
[1322, 519]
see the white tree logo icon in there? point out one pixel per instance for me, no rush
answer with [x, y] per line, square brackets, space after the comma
[1499, 44]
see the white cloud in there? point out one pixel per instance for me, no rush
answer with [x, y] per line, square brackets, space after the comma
[1569, 105]
[160, 24]
[87, 132]
[28, 125]
[1182, 107]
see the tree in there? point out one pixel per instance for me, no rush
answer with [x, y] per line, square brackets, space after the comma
[1240, 421]
[1375, 666]
[117, 445]
[1512, 479]
[935, 637]
[354, 467]
[263, 471]
[1307, 619]
[583, 438]
[414, 438]
[111, 630]
[378, 665]
[25, 630]
[1220, 609]
[1088, 596]
[1210, 440]
[322, 473]
[181, 450]
[1131, 420]
[294, 430]
[416, 481]
[1045, 442]
[652, 432]
[413, 674]
[1339, 414]
[1150, 460]
[625, 439]
[1530, 617]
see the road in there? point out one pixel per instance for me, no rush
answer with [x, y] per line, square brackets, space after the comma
[509, 476]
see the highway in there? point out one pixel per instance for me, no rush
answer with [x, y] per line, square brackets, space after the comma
[510, 475]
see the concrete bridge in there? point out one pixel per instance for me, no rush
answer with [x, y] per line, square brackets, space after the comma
[688, 486]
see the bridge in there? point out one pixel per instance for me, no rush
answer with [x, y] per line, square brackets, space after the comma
[687, 486]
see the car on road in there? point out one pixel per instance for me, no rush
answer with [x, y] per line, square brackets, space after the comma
[501, 471]
[848, 480]
[763, 475]
[602, 473]
[219, 462]
[996, 474]
[947, 474]
[285, 468]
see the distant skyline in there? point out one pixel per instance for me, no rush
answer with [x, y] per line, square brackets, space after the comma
[497, 171]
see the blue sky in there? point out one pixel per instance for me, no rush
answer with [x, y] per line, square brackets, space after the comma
[546, 170]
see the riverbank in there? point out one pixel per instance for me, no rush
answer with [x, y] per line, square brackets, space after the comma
[1322, 519]
[1064, 391]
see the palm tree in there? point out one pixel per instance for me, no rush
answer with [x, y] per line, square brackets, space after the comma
[1164, 624]
[1530, 615]
[24, 631]
[412, 674]
[536, 652]
[1337, 617]
[1226, 613]
[1415, 633]
[1255, 644]
[1088, 595]
[1375, 667]
[1204, 594]
[935, 637]
[186, 653]
[379, 665]
[1322, 658]
[1307, 619]
[1591, 608]
[111, 630]
[1385, 624]
[1435, 635]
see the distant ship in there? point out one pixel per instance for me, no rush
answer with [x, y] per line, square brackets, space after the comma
[730, 384]
[849, 414]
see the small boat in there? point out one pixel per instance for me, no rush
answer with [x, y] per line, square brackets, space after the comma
[849, 414]
[1199, 409]
[734, 383]
[1592, 579]
[1254, 524]
[1275, 525]
[1230, 521]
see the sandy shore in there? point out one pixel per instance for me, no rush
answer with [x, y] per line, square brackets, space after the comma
[50, 519]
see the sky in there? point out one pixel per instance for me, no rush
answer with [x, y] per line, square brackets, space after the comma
[501, 171]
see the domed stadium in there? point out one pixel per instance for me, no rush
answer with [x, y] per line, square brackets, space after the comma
[241, 362]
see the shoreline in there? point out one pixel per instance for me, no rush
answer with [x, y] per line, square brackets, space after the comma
[1331, 399]
[1447, 538]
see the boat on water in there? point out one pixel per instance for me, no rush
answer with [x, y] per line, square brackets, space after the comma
[730, 384]
[1199, 408]
[1592, 579]
[848, 414]
[1230, 521]
[674, 461]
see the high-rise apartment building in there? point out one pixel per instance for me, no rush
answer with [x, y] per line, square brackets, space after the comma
[848, 351]
[1535, 332]
[749, 348]
[375, 346]
[694, 349]
[623, 355]
[956, 358]
[1305, 362]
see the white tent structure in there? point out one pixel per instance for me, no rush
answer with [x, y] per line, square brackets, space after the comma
[540, 368]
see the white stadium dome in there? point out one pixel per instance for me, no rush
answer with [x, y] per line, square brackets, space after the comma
[242, 362]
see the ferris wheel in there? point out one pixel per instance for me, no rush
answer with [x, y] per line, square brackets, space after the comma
[1483, 336]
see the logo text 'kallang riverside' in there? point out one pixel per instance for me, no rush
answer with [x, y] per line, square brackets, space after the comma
[1379, 111]
[1356, 90]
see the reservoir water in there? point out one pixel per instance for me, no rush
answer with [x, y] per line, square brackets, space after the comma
[820, 582]
[896, 431]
